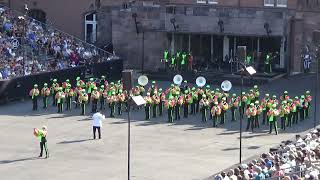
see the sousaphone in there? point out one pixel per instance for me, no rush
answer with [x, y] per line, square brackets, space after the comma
[201, 81]
[143, 80]
[177, 79]
[226, 86]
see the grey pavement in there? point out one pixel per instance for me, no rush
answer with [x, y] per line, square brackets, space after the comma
[187, 149]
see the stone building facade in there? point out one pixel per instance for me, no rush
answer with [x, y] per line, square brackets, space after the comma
[291, 24]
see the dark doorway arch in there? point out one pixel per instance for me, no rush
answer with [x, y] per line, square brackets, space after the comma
[38, 15]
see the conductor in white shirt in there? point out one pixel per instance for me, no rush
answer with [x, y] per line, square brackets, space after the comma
[97, 123]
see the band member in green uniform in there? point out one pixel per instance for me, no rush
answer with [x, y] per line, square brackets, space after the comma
[302, 107]
[166, 58]
[265, 108]
[216, 112]
[60, 96]
[234, 103]
[199, 97]
[308, 99]
[54, 89]
[187, 100]
[256, 117]
[42, 136]
[272, 118]
[256, 92]
[251, 113]
[121, 100]
[112, 102]
[147, 106]
[83, 99]
[295, 110]
[267, 64]
[34, 93]
[243, 104]
[89, 87]
[173, 63]
[204, 106]
[155, 103]
[95, 96]
[194, 100]
[69, 95]
[184, 61]
[103, 97]
[170, 103]
[179, 103]
[162, 101]
[45, 93]
[224, 107]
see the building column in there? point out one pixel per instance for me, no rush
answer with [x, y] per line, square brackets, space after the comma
[282, 59]
[211, 47]
[172, 44]
[234, 46]
[189, 46]
[181, 42]
[200, 52]
[225, 46]
[258, 52]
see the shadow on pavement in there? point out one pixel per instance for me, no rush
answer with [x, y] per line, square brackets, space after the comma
[74, 141]
[18, 160]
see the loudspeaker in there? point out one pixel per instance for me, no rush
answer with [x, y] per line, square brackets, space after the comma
[127, 79]
[316, 37]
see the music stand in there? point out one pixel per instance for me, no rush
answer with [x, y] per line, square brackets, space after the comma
[134, 101]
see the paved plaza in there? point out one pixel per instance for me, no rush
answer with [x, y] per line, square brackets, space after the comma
[187, 149]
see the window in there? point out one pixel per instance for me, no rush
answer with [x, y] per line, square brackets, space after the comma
[281, 3]
[212, 1]
[201, 1]
[90, 28]
[269, 3]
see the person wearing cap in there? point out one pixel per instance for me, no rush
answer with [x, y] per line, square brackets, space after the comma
[292, 108]
[41, 134]
[199, 97]
[83, 99]
[187, 101]
[54, 89]
[256, 117]
[103, 96]
[272, 118]
[177, 107]
[185, 87]
[216, 112]
[34, 93]
[169, 104]
[234, 103]
[308, 99]
[89, 87]
[194, 100]
[66, 84]
[121, 97]
[112, 103]
[95, 96]
[285, 96]
[183, 61]
[147, 106]
[60, 96]
[243, 104]
[283, 114]
[256, 92]
[265, 107]
[296, 104]
[153, 89]
[251, 112]
[155, 102]
[302, 107]
[45, 93]
[77, 94]
[165, 59]
[69, 95]
[162, 96]
[224, 107]
[101, 81]
[204, 106]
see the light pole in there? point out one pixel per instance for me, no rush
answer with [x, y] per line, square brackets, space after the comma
[251, 71]
[316, 88]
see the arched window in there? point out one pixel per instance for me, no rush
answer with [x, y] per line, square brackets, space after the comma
[90, 27]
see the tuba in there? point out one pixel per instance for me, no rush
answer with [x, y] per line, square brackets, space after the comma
[143, 80]
[201, 81]
[226, 86]
[177, 79]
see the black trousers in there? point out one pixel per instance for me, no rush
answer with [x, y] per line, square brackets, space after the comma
[302, 115]
[256, 121]
[233, 113]
[35, 103]
[54, 102]
[45, 102]
[222, 117]
[185, 110]
[177, 112]
[274, 125]
[204, 114]
[250, 122]
[264, 117]
[94, 105]
[295, 117]
[60, 106]
[215, 120]
[94, 132]
[290, 116]
[76, 98]
[154, 110]
[43, 145]
[283, 122]
[160, 108]
[119, 108]
[102, 103]
[193, 108]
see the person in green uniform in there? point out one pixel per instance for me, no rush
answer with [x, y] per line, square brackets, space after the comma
[83, 99]
[265, 108]
[233, 106]
[292, 108]
[177, 108]
[155, 103]
[308, 99]
[102, 97]
[53, 88]
[302, 107]
[34, 93]
[224, 108]
[69, 95]
[173, 62]
[184, 62]
[272, 118]
[45, 93]
[59, 98]
[251, 112]
[95, 96]
[170, 106]
[187, 101]
[248, 60]
[256, 92]
[178, 60]
[147, 106]
[162, 101]
[215, 111]
[166, 58]
[41, 134]
[267, 64]
[295, 106]
[204, 106]
[243, 104]
[256, 117]
[121, 100]
[112, 103]
[89, 87]
[194, 100]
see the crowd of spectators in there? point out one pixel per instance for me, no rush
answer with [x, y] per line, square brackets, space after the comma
[28, 47]
[294, 160]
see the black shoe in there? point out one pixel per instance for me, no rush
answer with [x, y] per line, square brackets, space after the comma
[40, 155]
